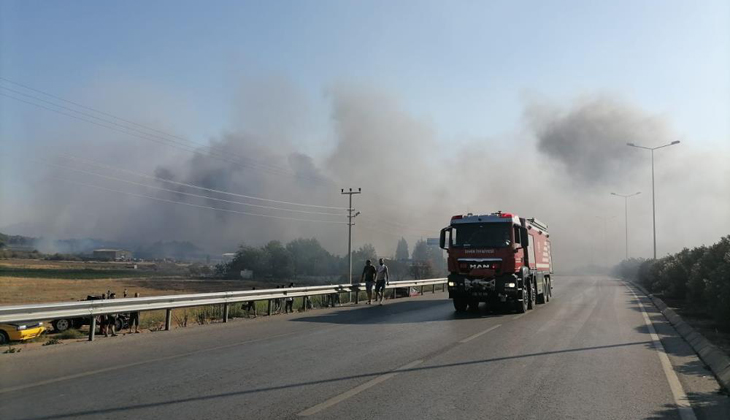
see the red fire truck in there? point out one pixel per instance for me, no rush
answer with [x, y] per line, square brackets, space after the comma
[497, 258]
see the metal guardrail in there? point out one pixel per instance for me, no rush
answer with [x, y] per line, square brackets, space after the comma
[92, 308]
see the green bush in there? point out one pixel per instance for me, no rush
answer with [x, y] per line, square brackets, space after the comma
[699, 276]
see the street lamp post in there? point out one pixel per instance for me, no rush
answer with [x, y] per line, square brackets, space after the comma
[626, 216]
[653, 202]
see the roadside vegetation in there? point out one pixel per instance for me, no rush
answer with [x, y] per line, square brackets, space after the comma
[303, 259]
[696, 280]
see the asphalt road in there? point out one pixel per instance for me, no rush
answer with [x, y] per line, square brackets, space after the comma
[588, 354]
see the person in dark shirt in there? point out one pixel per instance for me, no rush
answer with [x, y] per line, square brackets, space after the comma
[111, 320]
[368, 276]
[133, 317]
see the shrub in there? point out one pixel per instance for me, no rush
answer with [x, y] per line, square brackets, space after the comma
[701, 276]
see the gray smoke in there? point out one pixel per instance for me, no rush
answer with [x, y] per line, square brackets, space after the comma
[590, 138]
[560, 167]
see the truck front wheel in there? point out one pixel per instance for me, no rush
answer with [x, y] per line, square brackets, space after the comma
[522, 305]
[460, 304]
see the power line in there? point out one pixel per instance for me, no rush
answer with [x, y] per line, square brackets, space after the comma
[112, 116]
[199, 206]
[190, 194]
[130, 131]
[101, 165]
[187, 145]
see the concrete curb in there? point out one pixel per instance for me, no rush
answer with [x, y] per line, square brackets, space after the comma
[712, 356]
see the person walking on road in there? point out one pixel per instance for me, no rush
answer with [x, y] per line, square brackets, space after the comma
[111, 320]
[133, 317]
[368, 276]
[381, 279]
[289, 306]
[250, 307]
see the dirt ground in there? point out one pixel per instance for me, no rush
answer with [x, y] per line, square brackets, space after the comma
[71, 265]
[18, 290]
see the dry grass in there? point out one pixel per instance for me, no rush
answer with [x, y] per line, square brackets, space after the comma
[70, 265]
[18, 290]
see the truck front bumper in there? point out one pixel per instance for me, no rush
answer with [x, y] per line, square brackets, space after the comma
[502, 288]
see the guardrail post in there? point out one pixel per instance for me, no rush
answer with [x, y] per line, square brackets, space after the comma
[304, 303]
[92, 328]
[421, 290]
[434, 289]
[168, 319]
[268, 309]
[357, 296]
[225, 312]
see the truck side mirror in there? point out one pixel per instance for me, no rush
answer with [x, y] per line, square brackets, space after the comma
[442, 238]
[524, 240]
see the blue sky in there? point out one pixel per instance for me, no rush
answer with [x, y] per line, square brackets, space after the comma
[466, 68]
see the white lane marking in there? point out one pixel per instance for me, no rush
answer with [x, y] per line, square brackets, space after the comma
[358, 389]
[680, 397]
[477, 335]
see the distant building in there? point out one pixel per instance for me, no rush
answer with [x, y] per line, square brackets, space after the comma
[112, 254]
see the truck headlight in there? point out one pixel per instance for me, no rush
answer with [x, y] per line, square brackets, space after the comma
[452, 284]
[510, 285]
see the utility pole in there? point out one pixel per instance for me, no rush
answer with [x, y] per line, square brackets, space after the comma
[626, 216]
[350, 223]
[653, 202]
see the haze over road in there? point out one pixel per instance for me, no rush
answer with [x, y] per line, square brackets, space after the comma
[586, 354]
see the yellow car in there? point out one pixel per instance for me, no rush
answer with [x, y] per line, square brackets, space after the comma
[20, 331]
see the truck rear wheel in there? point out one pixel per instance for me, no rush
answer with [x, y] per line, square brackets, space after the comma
[550, 288]
[543, 298]
[460, 304]
[531, 295]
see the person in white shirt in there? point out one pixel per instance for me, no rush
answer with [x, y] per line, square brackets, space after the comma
[381, 279]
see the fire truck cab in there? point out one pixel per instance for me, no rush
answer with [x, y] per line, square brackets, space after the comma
[497, 258]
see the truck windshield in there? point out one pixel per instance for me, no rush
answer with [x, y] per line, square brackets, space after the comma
[488, 235]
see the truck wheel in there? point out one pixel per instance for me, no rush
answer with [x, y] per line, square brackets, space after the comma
[118, 324]
[521, 307]
[550, 288]
[542, 297]
[4, 339]
[460, 304]
[61, 325]
[531, 295]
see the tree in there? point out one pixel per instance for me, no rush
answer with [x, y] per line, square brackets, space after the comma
[401, 251]
[423, 253]
[280, 260]
[310, 259]
[249, 258]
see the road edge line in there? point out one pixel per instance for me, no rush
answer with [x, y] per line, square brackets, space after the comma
[684, 407]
